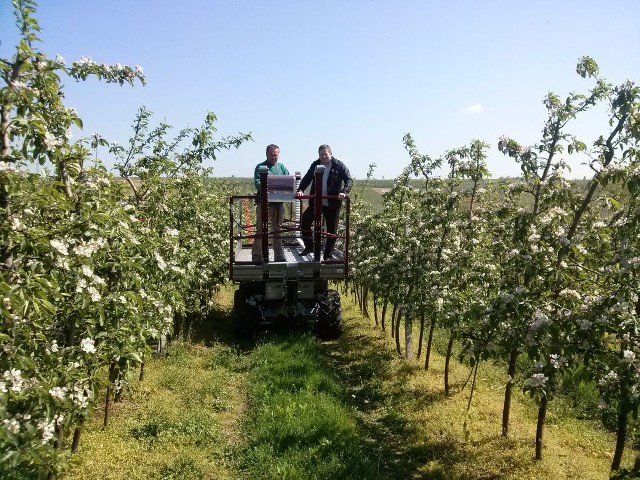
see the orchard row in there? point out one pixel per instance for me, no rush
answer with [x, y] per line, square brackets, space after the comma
[538, 271]
[93, 270]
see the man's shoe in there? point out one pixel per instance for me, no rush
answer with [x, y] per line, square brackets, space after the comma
[256, 258]
[306, 251]
[279, 258]
[328, 255]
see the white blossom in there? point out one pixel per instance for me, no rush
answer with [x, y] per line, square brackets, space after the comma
[51, 141]
[94, 294]
[162, 265]
[81, 396]
[584, 324]
[58, 392]
[506, 297]
[537, 380]
[14, 376]
[89, 248]
[609, 379]
[85, 61]
[47, 429]
[17, 84]
[88, 345]
[567, 292]
[81, 286]
[86, 271]
[16, 224]
[177, 269]
[59, 246]
[12, 426]
[558, 361]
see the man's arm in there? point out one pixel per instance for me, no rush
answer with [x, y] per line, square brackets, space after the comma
[256, 177]
[306, 180]
[346, 178]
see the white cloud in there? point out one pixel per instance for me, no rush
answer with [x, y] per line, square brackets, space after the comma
[473, 109]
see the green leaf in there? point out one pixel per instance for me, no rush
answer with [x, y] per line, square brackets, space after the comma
[614, 202]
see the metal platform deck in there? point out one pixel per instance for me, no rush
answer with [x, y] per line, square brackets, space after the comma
[291, 254]
[295, 266]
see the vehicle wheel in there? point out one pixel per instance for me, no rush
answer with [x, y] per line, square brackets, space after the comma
[244, 315]
[329, 325]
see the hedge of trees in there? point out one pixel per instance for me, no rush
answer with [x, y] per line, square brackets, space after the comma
[93, 270]
[536, 270]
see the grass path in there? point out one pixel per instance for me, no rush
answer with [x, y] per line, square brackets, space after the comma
[289, 406]
[421, 433]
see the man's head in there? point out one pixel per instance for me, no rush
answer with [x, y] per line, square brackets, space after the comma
[324, 153]
[273, 151]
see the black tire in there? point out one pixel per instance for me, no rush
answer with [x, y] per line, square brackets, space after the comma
[329, 325]
[245, 319]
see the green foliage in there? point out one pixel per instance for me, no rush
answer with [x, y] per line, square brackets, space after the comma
[92, 271]
[532, 271]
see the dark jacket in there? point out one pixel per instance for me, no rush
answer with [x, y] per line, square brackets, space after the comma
[339, 180]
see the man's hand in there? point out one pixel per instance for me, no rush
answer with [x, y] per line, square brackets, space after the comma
[299, 193]
[342, 196]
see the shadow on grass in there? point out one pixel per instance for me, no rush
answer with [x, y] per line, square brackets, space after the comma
[379, 391]
[372, 387]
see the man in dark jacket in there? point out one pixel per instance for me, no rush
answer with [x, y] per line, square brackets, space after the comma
[336, 181]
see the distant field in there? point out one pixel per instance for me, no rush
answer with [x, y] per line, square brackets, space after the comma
[371, 191]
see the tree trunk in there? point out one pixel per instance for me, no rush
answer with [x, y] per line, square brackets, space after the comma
[452, 337]
[107, 406]
[383, 314]
[365, 302]
[408, 331]
[473, 389]
[393, 319]
[107, 403]
[375, 309]
[506, 409]
[542, 413]
[76, 435]
[397, 330]
[621, 433]
[421, 337]
[58, 443]
[141, 377]
[429, 343]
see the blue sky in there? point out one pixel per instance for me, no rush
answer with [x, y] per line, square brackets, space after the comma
[355, 74]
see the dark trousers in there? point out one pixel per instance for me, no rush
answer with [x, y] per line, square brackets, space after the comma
[331, 216]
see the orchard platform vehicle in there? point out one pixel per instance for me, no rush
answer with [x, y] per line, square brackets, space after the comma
[294, 290]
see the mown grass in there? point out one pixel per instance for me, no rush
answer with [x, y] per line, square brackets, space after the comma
[299, 422]
[434, 436]
[289, 406]
[179, 423]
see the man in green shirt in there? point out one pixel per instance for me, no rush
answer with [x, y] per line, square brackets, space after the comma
[276, 210]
